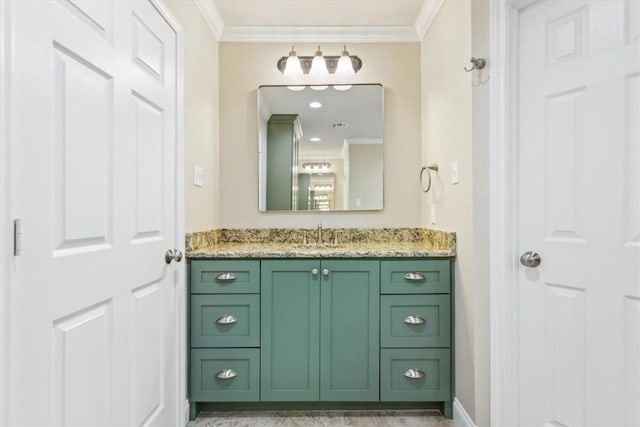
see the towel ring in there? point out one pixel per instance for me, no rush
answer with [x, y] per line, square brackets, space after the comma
[428, 168]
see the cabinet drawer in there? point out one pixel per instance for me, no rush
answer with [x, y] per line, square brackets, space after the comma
[415, 321]
[243, 377]
[225, 320]
[225, 277]
[429, 367]
[415, 277]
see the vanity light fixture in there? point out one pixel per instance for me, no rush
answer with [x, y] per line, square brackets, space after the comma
[316, 167]
[315, 104]
[323, 187]
[294, 65]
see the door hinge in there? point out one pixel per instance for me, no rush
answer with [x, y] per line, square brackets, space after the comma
[17, 237]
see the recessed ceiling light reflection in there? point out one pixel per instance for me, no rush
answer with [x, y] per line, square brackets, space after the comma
[319, 87]
[315, 104]
[315, 139]
[342, 88]
[296, 88]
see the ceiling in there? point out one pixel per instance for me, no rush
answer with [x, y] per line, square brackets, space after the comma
[319, 20]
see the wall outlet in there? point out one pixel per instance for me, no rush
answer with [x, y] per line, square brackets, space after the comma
[454, 172]
[434, 213]
[198, 176]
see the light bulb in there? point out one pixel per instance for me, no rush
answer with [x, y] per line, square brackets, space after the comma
[345, 66]
[292, 67]
[318, 65]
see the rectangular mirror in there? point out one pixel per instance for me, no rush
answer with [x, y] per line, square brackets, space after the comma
[320, 148]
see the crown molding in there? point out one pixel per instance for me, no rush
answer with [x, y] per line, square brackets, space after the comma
[212, 17]
[326, 34]
[428, 13]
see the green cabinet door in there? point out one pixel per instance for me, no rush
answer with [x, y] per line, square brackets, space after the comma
[290, 327]
[349, 332]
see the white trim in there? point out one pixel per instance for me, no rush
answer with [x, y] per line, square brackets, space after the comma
[426, 17]
[325, 34]
[504, 211]
[6, 231]
[210, 13]
[179, 243]
[460, 415]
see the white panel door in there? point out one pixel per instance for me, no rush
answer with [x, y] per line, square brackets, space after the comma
[93, 146]
[579, 209]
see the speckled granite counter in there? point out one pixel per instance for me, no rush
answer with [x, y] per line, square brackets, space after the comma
[352, 243]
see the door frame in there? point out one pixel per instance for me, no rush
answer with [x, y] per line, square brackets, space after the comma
[504, 31]
[6, 222]
[6, 226]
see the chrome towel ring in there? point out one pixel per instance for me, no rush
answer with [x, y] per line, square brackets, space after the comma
[428, 168]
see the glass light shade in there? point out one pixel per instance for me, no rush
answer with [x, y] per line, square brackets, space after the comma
[318, 65]
[345, 66]
[292, 68]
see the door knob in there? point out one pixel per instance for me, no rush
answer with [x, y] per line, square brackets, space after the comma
[172, 255]
[530, 259]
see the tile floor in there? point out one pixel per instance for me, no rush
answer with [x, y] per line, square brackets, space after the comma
[405, 418]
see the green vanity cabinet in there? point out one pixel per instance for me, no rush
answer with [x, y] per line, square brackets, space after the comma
[320, 335]
[316, 333]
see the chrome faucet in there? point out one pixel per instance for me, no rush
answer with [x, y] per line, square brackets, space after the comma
[319, 233]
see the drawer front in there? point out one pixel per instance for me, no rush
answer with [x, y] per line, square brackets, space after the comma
[241, 366]
[415, 321]
[225, 320]
[415, 277]
[225, 277]
[430, 369]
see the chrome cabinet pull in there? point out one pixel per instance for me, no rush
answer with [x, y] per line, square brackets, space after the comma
[325, 272]
[226, 374]
[226, 277]
[414, 374]
[314, 271]
[226, 320]
[414, 320]
[414, 277]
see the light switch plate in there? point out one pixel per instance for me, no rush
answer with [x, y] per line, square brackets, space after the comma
[198, 176]
[454, 172]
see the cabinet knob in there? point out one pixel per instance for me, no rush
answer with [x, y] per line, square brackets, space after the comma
[226, 320]
[314, 271]
[226, 277]
[414, 374]
[414, 277]
[325, 272]
[414, 320]
[226, 374]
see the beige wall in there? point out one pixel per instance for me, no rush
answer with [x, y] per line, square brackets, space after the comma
[245, 66]
[447, 136]
[200, 115]
[480, 166]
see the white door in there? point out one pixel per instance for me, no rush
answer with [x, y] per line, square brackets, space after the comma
[93, 146]
[579, 209]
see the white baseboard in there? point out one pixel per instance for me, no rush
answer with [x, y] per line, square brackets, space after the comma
[460, 416]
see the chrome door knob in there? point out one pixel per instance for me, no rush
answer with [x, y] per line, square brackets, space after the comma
[530, 259]
[177, 255]
[168, 256]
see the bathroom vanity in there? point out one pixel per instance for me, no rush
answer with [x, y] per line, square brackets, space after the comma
[358, 325]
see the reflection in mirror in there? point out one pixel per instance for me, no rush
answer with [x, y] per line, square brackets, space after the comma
[320, 147]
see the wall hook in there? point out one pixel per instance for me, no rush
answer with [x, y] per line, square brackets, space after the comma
[428, 168]
[478, 64]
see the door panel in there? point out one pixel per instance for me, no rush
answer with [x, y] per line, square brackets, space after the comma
[290, 328]
[578, 208]
[94, 141]
[349, 335]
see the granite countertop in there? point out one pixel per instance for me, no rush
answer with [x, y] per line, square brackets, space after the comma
[353, 243]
